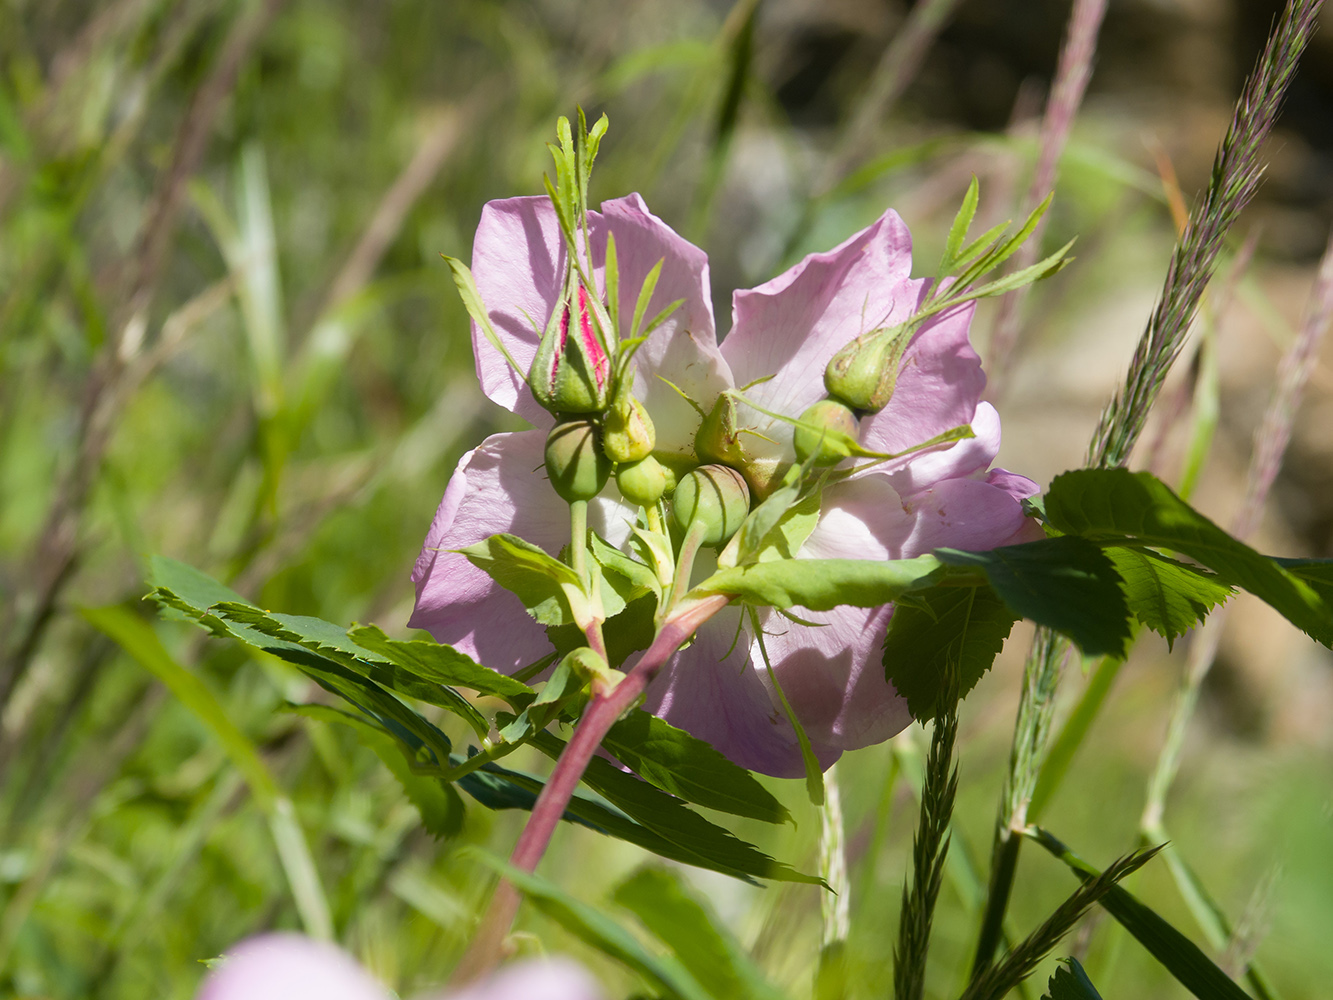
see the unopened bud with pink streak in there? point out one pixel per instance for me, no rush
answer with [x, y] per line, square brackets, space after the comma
[571, 372]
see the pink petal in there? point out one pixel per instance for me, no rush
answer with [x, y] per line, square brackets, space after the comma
[684, 348]
[518, 261]
[939, 384]
[961, 514]
[790, 327]
[499, 487]
[536, 979]
[1018, 487]
[713, 690]
[289, 967]
[956, 461]
[833, 675]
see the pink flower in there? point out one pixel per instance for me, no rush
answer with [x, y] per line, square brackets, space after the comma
[784, 331]
[292, 967]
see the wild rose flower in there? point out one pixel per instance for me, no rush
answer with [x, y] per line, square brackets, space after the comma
[292, 967]
[783, 335]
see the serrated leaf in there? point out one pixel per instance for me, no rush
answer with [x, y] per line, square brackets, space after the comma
[966, 626]
[694, 839]
[190, 593]
[822, 584]
[692, 931]
[1167, 596]
[639, 576]
[1316, 573]
[600, 931]
[1066, 584]
[500, 788]
[1110, 504]
[625, 634]
[332, 642]
[1070, 982]
[542, 582]
[441, 664]
[684, 765]
[1180, 956]
[439, 806]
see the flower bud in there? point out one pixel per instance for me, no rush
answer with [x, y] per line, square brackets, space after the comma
[718, 439]
[642, 482]
[863, 374]
[575, 462]
[627, 431]
[830, 448]
[571, 372]
[715, 496]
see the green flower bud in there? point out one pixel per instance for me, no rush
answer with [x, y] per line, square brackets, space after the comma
[863, 374]
[717, 497]
[718, 440]
[627, 431]
[642, 482]
[575, 462]
[571, 372]
[830, 414]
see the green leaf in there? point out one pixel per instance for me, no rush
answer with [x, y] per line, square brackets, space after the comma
[542, 582]
[691, 930]
[1066, 584]
[332, 642]
[966, 626]
[1112, 503]
[1314, 573]
[439, 805]
[822, 584]
[1167, 596]
[676, 762]
[440, 664]
[1070, 982]
[600, 931]
[625, 634]
[190, 593]
[1181, 956]
[693, 839]
[500, 788]
[467, 291]
[640, 576]
[958, 231]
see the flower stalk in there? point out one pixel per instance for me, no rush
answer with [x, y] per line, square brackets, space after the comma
[487, 948]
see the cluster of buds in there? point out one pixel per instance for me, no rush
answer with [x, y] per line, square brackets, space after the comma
[583, 375]
[602, 429]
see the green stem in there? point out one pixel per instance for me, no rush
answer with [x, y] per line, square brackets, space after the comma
[578, 538]
[1071, 737]
[689, 549]
[1036, 707]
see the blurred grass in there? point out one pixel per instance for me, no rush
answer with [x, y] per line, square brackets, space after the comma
[284, 409]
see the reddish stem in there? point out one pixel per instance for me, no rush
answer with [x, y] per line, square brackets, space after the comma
[602, 713]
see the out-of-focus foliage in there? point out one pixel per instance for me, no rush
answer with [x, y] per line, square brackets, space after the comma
[268, 375]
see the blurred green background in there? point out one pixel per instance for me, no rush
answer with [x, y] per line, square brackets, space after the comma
[226, 335]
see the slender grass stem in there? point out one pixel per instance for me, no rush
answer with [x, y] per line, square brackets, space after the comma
[929, 850]
[835, 906]
[1235, 178]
